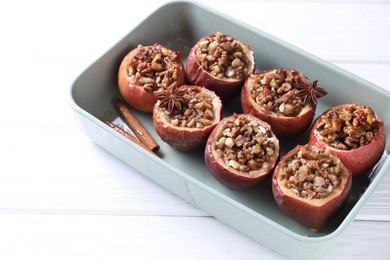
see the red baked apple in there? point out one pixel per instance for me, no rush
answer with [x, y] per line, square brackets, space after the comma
[147, 69]
[185, 116]
[220, 63]
[353, 132]
[284, 98]
[310, 185]
[241, 151]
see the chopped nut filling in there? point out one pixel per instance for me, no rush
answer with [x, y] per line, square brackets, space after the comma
[223, 57]
[311, 173]
[246, 145]
[198, 111]
[276, 91]
[154, 67]
[349, 127]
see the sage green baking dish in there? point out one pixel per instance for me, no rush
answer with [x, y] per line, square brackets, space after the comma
[253, 212]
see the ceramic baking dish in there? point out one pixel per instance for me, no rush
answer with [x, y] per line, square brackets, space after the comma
[252, 212]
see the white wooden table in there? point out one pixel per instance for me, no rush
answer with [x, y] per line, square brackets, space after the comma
[63, 197]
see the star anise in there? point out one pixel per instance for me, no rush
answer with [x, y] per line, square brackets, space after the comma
[172, 98]
[310, 92]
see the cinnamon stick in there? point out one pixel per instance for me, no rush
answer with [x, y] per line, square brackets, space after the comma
[136, 126]
[127, 135]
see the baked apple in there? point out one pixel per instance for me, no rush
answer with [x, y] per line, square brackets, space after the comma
[220, 63]
[310, 185]
[353, 132]
[284, 98]
[147, 69]
[185, 116]
[241, 151]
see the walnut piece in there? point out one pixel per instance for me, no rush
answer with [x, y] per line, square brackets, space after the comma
[349, 127]
[276, 91]
[154, 67]
[223, 57]
[198, 113]
[311, 173]
[246, 145]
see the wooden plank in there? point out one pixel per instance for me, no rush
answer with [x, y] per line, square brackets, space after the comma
[57, 236]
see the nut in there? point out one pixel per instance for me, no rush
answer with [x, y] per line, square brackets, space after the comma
[246, 145]
[276, 91]
[349, 127]
[222, 56]
[198, 114]
[312, 173]
[154, 67]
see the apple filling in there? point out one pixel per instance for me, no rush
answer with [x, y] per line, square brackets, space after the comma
[349, 127]
[223, 57]
[311, 173]
[246, 145]
[276, 91]
[154, 67]
[196, 109]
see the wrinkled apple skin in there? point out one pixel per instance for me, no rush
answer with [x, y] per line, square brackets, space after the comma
[134, 94]
[283, 127]
[308, 212]
[183, 138]
[226, 175]
[357, 160]
[226, 89]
